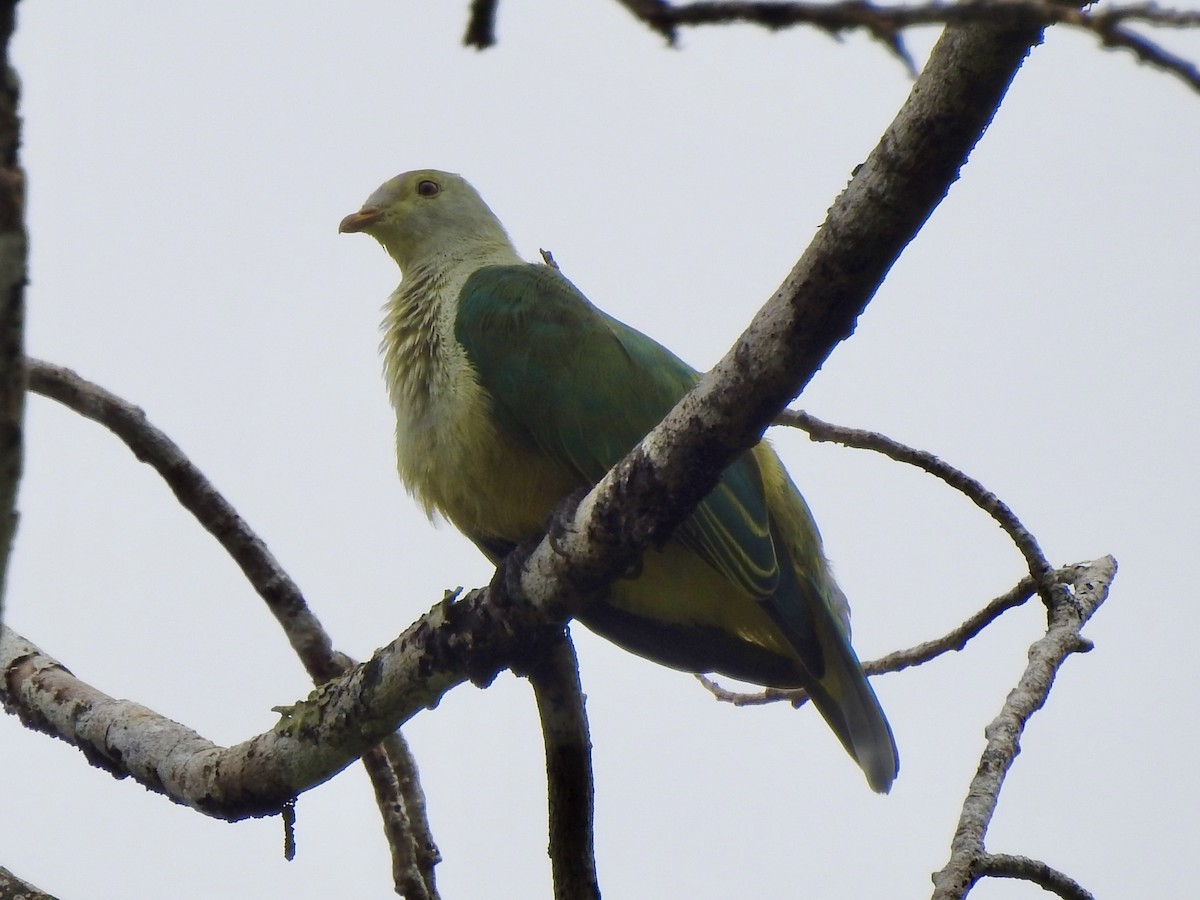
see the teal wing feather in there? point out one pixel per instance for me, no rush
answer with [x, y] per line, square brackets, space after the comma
[584, 388]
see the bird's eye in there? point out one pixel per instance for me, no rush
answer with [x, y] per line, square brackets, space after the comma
[428, 188]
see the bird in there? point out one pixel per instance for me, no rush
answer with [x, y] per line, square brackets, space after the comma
[512, 391]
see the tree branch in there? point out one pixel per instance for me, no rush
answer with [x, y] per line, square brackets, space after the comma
[555, 680]
[1039, 567]
[413, 859]
[1000, 865]
[640, 501]
[13, 888]
[199, 497]
[481, 26]
[886, 23]
[316, 738]
[1089, 586]
[14, 247]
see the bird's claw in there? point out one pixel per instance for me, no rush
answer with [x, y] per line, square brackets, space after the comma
[562, 520]
[507, 579]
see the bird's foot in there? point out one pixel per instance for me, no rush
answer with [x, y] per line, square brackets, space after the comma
[507, 580]
[562, 520]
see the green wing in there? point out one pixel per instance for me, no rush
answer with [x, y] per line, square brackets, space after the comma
[581, 388]
[584, 388]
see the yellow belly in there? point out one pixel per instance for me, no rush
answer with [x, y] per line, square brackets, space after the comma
[456, 462]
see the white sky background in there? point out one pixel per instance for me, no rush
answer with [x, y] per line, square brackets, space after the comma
[188, 166]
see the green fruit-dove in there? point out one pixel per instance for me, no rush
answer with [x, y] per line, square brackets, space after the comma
[512, 391]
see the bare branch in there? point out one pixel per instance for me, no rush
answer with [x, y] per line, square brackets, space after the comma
[14, 247]
[13, 888]
[413, 879]
[1039, 567]
[199, 497]
[1000, 865]
[304, 632]
[1089, 588]
[956, 639]
[656, 14]
[555, 680]
[885, 23]
[425, 852]
[342, 719]
[481, 26]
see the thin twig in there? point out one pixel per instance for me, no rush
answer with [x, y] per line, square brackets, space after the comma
[481, 26]
[955, 639]
[885, 23]
[1002, 865]
[555, 681]
[1039, 567]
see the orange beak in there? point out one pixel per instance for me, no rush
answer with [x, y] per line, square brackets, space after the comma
[361, 220]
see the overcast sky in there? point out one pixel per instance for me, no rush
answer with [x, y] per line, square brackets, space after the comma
[188, 165]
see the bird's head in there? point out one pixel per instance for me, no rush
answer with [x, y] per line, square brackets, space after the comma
[425, 214]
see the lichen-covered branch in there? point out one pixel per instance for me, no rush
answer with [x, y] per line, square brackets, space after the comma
[474, 638]
[13, 888]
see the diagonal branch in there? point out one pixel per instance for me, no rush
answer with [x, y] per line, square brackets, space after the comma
[892, 193]
[955, 639]
[199, 497]
[13, 888]
[1039, 567]
[393, 773]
